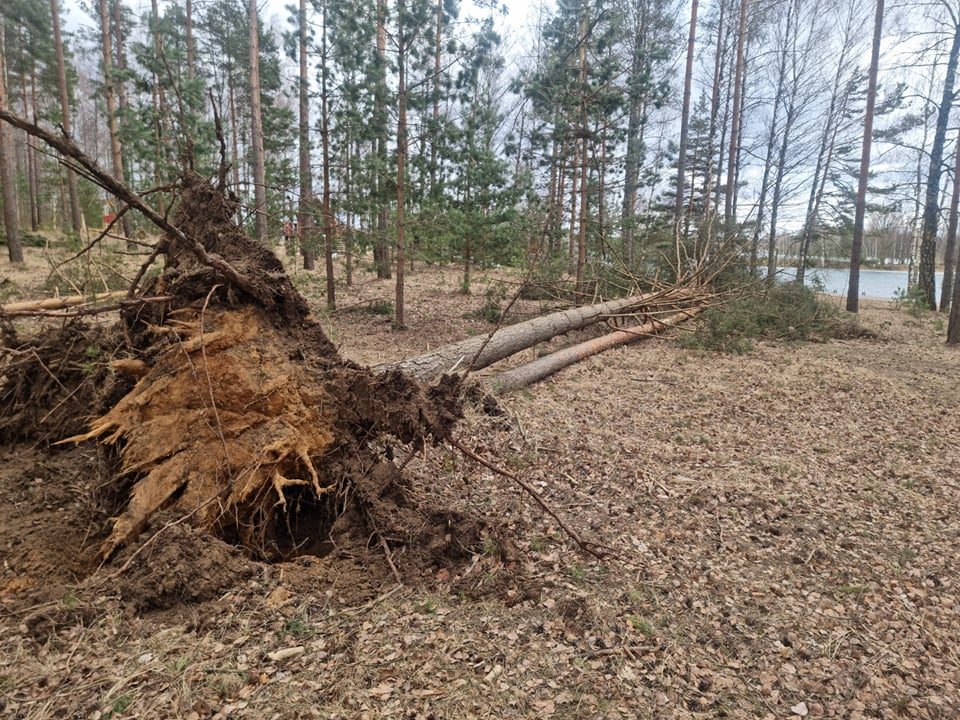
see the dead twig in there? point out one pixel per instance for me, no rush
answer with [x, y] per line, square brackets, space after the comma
[386, 548]
[387, 554]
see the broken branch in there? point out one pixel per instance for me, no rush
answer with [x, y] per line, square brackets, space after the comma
[584, 545]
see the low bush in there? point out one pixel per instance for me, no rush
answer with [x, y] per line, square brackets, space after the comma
[492, 308]
[784, 311]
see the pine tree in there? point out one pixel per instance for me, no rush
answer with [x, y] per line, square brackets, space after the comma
[482, 195]
[11, 217]
[256, 129]
[63, 90]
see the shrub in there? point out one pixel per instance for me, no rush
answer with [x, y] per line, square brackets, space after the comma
[377, 307]
[491, 310]
[784, 311]
[912, 300]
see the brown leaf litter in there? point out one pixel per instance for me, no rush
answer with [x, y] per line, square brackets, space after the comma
[784, 525]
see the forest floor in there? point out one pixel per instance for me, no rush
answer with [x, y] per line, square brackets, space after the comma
[783, 534]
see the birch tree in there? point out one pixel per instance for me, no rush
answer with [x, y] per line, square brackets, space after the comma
[926, 278]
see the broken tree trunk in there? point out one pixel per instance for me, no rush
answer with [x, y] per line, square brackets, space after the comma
[547, 365]
[479, 352]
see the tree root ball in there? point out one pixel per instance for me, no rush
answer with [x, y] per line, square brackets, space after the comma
[230, 425]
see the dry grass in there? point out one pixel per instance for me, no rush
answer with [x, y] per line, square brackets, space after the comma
[784, 529]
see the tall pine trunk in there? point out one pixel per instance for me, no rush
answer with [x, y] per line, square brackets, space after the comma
[381, 250]
[685, 123]
[950, 250]
[401, 158]
[584, 137]
[159, 99]
[11, 217]
[718, 61]
[728, 207]
[308, 241]
[256, 130]
[29, 149]
[328, 219]
[853, 289]
[191, 50]
[109, 93]
[127, 220]
[435, 115]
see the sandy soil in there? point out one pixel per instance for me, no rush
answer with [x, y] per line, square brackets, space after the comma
[782, 531]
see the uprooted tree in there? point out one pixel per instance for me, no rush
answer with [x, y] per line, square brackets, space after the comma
[226, 403]
[244, 416]
[238, 411]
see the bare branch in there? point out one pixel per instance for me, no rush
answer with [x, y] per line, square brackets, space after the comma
[67, 147]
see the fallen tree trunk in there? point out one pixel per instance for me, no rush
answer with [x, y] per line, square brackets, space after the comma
[57, 303]
[542, 367]
[479, 352]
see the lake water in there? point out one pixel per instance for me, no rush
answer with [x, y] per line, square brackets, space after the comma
[881, 284]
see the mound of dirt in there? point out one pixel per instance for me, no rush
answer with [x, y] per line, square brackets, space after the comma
[53, 381]
[47, 516]
[186, 565]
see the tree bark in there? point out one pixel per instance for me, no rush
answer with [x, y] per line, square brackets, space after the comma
[478, 352]
[926, 279]
[381, 250]
[11, 216]
[582, 224]
[401, 159]
[191, 52]
[685, 123]
[29, 150]
[708, 180]
[256, 131]
[435, 113]
[234, 125]
[305, 222]
[728, 211]
[953, 326]
[950, 250]
[109, 93]
[125, 221]
[549, 364]
[328, 219]
[159, 108]
[853, 290]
